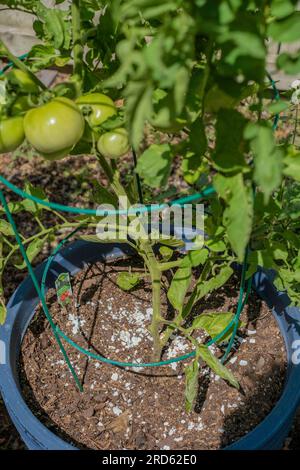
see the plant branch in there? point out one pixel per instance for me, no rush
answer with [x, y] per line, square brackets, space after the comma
[20, 65]
[77, 42]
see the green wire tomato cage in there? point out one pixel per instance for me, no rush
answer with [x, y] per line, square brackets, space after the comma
[60, 336]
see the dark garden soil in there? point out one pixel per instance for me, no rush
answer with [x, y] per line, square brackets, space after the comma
[144, 408]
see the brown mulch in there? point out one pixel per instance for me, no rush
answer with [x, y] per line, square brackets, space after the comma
[144, 408]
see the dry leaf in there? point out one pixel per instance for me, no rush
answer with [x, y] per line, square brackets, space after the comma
[119, 424]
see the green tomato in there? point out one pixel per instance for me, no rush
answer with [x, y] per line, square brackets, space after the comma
[22, 80]
[114, 144]
[11, 134]
[54, 128]
[102, 108]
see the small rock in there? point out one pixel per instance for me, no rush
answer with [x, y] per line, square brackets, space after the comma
[100, 426]
[243, 363]
[260, 364]
[140, 440]
[100, 397]
[89, 412]
[45, 342]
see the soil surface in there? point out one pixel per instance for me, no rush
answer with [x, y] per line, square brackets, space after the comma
[143, 408]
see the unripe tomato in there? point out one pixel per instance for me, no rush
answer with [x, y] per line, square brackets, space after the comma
[11, 134]
[102, 108]
[22, 80]
[114, 144]
[54, 128]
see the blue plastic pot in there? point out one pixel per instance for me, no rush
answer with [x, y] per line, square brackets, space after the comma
[270, 434]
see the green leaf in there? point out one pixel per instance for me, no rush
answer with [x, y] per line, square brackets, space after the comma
[292, 166]
[56, 26]
[267, 157]
[154, 165]
[289, 63]
[127, 281]
[203, 288]
[191, 168]
[195, 258]
[33, 250]
[208, 357]
[261, 258]
[238, 214]
[101, 195]
[3, 312]
[148, 8]
[286, 30]
[172, 242]
[6, 228]
[138, 109]
[166, 253]
[230, 146]
[197, 137]
[214, 324]
[278, 107]
[281, 9]
[179, 286]
[216, 246]
[41, 56]
[37, 192]
[191, 384]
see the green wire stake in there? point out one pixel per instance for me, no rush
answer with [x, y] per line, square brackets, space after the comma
[37, 287]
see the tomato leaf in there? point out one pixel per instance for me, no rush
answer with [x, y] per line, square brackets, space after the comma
[37, 192]
[127, 281]
[154, 165]
[33, 250]
[238, 215]
[3, 312]
[216, 366]
[179, 286]
[6, 228]
[286, 29]
[191, 384]
[203, 288]
[214, 324]
[267, 157]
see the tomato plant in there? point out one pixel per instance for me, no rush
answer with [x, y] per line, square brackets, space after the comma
[196, 70]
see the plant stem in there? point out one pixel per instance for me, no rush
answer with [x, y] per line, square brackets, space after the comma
[20, 65]
[209, 54]
[186, 310]
[144, 248]
[155, 273]
[77, 44]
